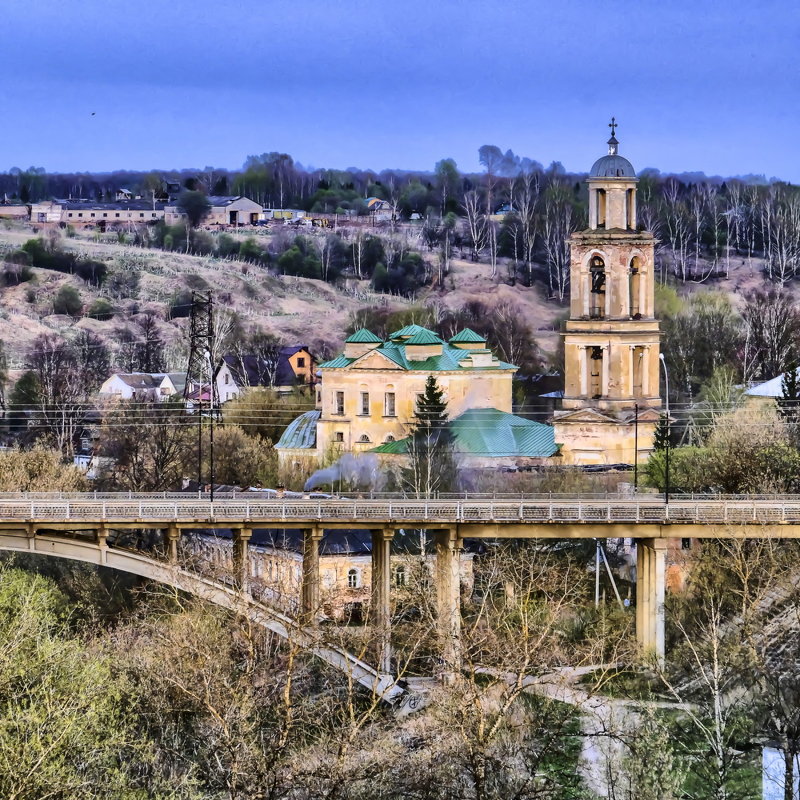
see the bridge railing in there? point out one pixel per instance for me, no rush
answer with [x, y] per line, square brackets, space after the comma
[362, 512]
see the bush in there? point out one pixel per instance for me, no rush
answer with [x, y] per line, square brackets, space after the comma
[68, 302]
[101, 309]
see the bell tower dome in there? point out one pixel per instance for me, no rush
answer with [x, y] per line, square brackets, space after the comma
[611, 339]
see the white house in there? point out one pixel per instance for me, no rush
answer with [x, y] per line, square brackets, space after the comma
[143, 385]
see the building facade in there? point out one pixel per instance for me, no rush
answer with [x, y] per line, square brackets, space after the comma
[367, 398]
[611, 396]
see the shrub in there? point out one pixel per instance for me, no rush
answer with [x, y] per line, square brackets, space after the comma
[101, 309]
[67, 301]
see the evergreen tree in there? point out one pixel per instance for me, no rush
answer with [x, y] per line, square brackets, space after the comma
[789, 400]
[661, 437]
[432, 466]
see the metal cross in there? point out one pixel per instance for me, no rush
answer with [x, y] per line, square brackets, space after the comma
[613, 125]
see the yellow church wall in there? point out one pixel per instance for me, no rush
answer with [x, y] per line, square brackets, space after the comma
[462, 391]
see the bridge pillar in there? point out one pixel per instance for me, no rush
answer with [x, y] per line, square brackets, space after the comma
[102, 542]
[448, 599]
[651, 570]
[171, 536]
[309, 591]
[380, 602]
[241, 557]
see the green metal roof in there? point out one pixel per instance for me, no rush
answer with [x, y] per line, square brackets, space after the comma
[301, 433]
[468, 336]
[339, 361]
[491, 433]
[424, 336]
[363, 336]
[449, 360]
[409, 330]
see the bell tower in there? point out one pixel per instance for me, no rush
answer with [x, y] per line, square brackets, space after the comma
[611, 339]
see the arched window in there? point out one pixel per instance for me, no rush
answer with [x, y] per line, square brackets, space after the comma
[601, 208]
[389, 438]
[353, 578]
[364, 438]
[597, 288]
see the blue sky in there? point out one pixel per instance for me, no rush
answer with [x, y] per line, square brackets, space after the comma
[697, 85]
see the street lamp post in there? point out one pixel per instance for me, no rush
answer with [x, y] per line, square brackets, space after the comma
[666, 465]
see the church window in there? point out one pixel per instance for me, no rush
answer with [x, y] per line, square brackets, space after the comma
[400, 576]
[389, 438]
[364, 439]
[389, 409]
[339, 401]
[638, 371]
[364, 404]
[601, 208]
[596, 372]
[353, 578]
[597, 288]
[629, 207]
[338, 436]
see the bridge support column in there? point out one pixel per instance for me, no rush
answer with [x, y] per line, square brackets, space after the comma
[448, 600]
[171, 537]
[309, 591]
[380, 602]
[651, 570]
[102, 542]
[241, 557]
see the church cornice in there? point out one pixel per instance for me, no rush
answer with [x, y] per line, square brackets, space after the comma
[593, 235]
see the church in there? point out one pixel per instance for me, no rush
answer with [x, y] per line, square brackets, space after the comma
[610, 405]
[611, 399]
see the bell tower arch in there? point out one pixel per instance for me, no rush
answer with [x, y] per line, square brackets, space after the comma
[611, 339]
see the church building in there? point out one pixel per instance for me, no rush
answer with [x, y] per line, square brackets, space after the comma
[611, 396]
[610, 406]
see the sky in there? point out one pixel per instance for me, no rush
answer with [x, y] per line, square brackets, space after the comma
[700, 85]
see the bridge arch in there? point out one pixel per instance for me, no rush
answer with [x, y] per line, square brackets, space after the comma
[383, 684]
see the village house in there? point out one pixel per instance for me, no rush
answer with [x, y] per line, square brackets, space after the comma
[366, 401]
[46, 211]
[276, 564]
[143, 386]
[236, 210]
[292, 366]
[16, 211]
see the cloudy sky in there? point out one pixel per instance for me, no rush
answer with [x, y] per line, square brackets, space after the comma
[695, 85]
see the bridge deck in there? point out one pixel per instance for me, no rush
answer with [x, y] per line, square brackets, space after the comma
[496, 516]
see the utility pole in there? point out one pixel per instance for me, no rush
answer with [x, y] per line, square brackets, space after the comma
[636, 447]
[200, 372]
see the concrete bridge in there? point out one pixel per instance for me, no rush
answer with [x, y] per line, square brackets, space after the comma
[76, 526]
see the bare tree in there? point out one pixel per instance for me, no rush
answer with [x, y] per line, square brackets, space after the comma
[476, 222]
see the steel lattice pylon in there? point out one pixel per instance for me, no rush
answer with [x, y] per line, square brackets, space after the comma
[199, 372]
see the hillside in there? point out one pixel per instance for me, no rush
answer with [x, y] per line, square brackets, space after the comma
[295, 309]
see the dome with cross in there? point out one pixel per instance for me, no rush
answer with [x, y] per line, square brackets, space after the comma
[613, 165]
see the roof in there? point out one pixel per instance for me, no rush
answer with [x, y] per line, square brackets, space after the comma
[120, 205]
[225, 200]
[612, 166]
[451, 359]
[406, 332]
[424, 336]
[467, 336]
[362, 336]
[770, 388]
[291, 349]
[151, 380]
[252, 370]
[491, 433]
[301, 433]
